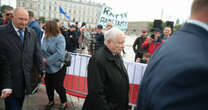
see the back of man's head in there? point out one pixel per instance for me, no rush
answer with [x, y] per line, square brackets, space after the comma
[199, 5]
[31, 14]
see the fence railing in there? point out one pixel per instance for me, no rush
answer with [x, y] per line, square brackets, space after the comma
[76, 77]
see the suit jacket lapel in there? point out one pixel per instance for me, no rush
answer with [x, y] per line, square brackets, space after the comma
[14, 33]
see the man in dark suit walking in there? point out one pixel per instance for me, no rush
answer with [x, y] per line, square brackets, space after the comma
[19, 51]
[176, 77]
[108, 84]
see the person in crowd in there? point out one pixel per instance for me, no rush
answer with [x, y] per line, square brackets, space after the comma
[176, 77]
[36, 26]
[85, 37]
[78, 33]
[152, 43]
[109, 25]
[99, 37]
[77, 29]
[53, 50]
[137, 46]
[62, 28]
[108, 83]
[7, 15]
[20, 53]
[71, 39]
[145, 59]
[92, 41]
[166, 33]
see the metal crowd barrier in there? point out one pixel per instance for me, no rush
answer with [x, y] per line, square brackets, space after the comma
[76, 77]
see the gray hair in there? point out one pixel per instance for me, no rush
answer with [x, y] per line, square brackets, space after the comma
[111, 34]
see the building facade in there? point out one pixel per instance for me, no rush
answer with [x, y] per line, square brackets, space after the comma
[78, 10]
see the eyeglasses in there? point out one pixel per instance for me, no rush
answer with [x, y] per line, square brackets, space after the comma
[8, 14]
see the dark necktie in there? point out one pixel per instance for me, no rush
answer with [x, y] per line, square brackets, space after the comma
[21, 35]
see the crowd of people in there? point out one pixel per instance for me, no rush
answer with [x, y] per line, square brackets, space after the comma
[175, 78]
[146, 45]
[31, 51]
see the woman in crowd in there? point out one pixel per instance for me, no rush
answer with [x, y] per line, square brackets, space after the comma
[53, 49]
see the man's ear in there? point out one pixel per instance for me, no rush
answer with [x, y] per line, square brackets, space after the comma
[109, 41]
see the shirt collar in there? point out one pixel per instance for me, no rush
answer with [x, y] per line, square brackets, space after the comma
[198, 23]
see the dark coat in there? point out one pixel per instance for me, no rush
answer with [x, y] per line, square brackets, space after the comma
[108, 84]
[3, 70]
[176, 77]
[20, 59]
[137, 46]
[99, 40]
[71, 41]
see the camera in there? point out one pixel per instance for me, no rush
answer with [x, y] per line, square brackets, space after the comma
[152, 36]
[143, 61]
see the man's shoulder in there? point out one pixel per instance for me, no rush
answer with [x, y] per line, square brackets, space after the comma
[101, 54]
[3, 27]
[34, 25]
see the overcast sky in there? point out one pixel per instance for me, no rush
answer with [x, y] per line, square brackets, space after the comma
[145, 10]
[148, 10]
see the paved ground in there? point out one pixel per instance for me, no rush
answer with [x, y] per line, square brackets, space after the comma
[39, 100]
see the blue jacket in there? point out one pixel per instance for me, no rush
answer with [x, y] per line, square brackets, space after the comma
[36, 26]
[53, 49]
[176, 76]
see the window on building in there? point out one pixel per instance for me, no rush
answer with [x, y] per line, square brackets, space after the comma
[31, 5]
[88, 20]
[51, 15]
[55, 8]
[84, 12]
[39, 6]
[23, 4]
[94, 20]
[91, 20]
[41, 14]
[79, 19]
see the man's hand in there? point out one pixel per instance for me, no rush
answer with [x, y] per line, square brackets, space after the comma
[5, 93]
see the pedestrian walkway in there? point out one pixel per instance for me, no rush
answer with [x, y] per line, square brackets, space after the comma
[39, 100]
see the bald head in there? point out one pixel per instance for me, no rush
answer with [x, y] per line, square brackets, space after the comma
[199, 5]
[21, 18]
[18, 11]
[199, 10]
[109, 25]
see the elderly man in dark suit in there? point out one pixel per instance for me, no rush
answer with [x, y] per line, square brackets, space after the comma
[108, 84]
[20, 52]
[176, 77]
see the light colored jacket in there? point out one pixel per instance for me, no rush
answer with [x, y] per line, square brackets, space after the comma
[53, 49]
